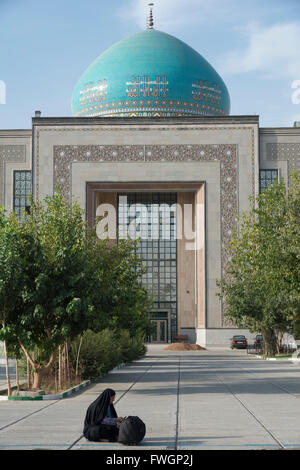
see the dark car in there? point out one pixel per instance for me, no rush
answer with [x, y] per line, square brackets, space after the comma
[239, 342]
[258, 340]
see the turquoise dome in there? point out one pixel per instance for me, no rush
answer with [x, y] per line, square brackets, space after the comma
[150, 73]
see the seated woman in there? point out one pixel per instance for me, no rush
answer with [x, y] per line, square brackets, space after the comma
[101, 420]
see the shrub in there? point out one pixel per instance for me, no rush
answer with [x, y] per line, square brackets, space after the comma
[101, 352]
[98, 353]
[131, 347]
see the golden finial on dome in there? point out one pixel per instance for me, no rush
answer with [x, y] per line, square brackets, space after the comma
[150, 21]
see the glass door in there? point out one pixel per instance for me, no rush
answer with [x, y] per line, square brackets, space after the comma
[160, 332]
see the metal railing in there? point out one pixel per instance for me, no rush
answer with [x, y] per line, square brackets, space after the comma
[259, 348]
[255, 348]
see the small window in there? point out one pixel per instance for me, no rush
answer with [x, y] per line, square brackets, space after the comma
[22, 191]
[267, 177]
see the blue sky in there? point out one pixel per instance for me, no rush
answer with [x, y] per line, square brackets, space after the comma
[45, 46]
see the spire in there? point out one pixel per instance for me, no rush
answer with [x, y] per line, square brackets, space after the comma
[150, 21]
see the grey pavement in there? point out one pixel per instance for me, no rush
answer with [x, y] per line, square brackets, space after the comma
[214, 399]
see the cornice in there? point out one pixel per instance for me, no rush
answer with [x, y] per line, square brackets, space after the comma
[151, 121]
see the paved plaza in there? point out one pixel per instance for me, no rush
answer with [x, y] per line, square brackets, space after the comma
[214, 399]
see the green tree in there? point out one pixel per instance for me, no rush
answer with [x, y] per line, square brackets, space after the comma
[120, 300]
[290, 237]
[54, 302]
[11, 278]
[261, 286]
[69, 281]
[118, 293]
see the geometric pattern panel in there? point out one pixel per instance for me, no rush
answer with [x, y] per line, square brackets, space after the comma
[289, 152]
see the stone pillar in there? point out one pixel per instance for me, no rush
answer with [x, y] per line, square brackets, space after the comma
[186, 268]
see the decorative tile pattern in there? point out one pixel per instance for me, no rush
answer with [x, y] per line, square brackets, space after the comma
[9, 154]
[144, 87]
[289, 152]
[150, 108]
[148, 97]
[65, 155]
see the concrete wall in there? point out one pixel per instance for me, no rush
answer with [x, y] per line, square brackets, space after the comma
[15, 154]
[280, 150]
[217, 337]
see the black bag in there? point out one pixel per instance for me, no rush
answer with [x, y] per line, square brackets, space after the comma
[132, 431]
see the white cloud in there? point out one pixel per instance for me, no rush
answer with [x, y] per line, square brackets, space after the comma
[271, 50]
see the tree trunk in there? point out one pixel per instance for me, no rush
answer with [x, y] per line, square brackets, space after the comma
[55, 378]
[281, 338]
[270, 342]
[17, 375]
[78, 354]
[68, 363]
[59, 368]
[28, 374]
[7, 371]
[38, 375]
[63, 365]
[39, 370]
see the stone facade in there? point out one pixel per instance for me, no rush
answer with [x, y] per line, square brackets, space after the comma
[15, 154]
[221, 156]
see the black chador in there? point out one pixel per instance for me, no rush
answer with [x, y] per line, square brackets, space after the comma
[96, 412]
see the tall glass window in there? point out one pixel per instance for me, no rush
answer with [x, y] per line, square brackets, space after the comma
[22, 191]
[267, 177]
[151, 217]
